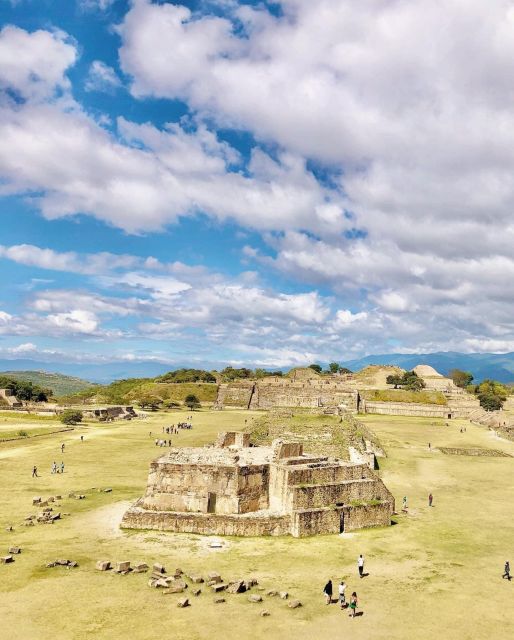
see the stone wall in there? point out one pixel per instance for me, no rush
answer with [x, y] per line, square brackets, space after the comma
[316, 522]
[406, 409]
[207, 524]
[316, 496]
[187, 488]
[361, 516]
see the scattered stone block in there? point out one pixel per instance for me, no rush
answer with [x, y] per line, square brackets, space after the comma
[71, 494]
[62, 563]
[103, 565]
[178, 573]
[50, 499]
[294, 604]
[14, 550]
[175, 588]
[213, 576]
[58, 497]
[36, 501]
[159, 583]
[272, 593]
[141, 567]
[219, 586]
[158, 568]
[80, 497]
[109, 490]
[122, 566]
[236, 587]
[196, 592]
[219, 600]
[73, 563]
[7, 559]
[284, 595]
[50, 565]
[183, 602]
[264, 613]
[255, 598]
[196, 579]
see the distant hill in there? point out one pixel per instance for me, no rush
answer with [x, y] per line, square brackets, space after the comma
[57, 382]
[499, 366]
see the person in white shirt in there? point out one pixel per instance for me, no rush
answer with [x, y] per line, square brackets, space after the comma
[342, 596]
[360, 564]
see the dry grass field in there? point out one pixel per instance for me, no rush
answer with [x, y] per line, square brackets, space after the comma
[436, 573]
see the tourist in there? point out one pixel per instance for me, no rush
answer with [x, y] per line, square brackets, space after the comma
[34, 472]
[353, 604]
[328, 591]
[430, 499]
[360, 564]
[506, 571]
[404, 503]
[62, 467]
[156, 442]
[54, 467]
[62, 447]
[82, 438]
[342, 596]
[429, 447]
[169, 443]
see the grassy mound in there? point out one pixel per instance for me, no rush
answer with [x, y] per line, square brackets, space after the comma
[321, 434]
[401, 395]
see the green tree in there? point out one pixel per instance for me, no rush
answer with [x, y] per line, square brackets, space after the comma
[334, 367]
[192, 401]
[461, 378]
[316, 368]
[395, 380]
[409, 381]
[149, 401]
[71, 416]
[492, 394]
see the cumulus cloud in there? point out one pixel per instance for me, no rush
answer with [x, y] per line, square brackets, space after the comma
[33, 65]
[101, 77]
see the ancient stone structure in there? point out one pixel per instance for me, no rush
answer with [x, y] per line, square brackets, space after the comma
[10, 399]
[111, 413]
[299, 388]
[232, 488]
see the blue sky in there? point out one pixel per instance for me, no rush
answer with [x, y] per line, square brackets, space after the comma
[257, 183]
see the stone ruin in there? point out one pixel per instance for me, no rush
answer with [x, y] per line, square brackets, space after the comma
[8, 398]
[233, 488]
[336, 393]
[111, 413]
[299, 388]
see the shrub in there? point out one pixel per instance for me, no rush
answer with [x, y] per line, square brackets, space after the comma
[192, 401]
[71, 416]
[22, 433]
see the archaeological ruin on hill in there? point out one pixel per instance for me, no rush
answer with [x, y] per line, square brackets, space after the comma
[347, 392]
[233, 488]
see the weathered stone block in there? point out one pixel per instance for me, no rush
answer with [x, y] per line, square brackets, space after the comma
[294, 604]
[158, 568]
[122, 566]
[255, 598]
[103, 565]
[183, 602]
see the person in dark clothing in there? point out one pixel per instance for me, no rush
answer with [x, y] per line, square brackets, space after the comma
[506, 571]
[328, 591]
[430, 499]
[34, 472]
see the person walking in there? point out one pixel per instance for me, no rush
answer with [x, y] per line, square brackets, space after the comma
[328, 591]
[342, 595]
[62, 447]
[62, 467]
[360, 564]
[404, 503]
[430, 499]
[353, 604]
[54, 467]
[34, 472]
[506, 571]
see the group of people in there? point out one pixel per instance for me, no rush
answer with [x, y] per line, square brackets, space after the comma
[162, 443]
[57, 468]
[342, 587]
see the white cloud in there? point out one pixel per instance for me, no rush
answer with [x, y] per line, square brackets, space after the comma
[33, 65]
[101, 77]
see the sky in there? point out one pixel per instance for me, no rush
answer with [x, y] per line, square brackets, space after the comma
[255, 183]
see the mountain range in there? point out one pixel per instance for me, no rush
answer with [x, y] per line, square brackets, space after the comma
[499, 366]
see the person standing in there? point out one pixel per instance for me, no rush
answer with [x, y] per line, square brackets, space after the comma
[34, 472]
[342, 595]
[353, 604]
[404, 503]
[62, 467]
[54, 467]
[328, 591]
[430, 499]
[82, 438]
[360, 564]
[506, 571]
[62, 447]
